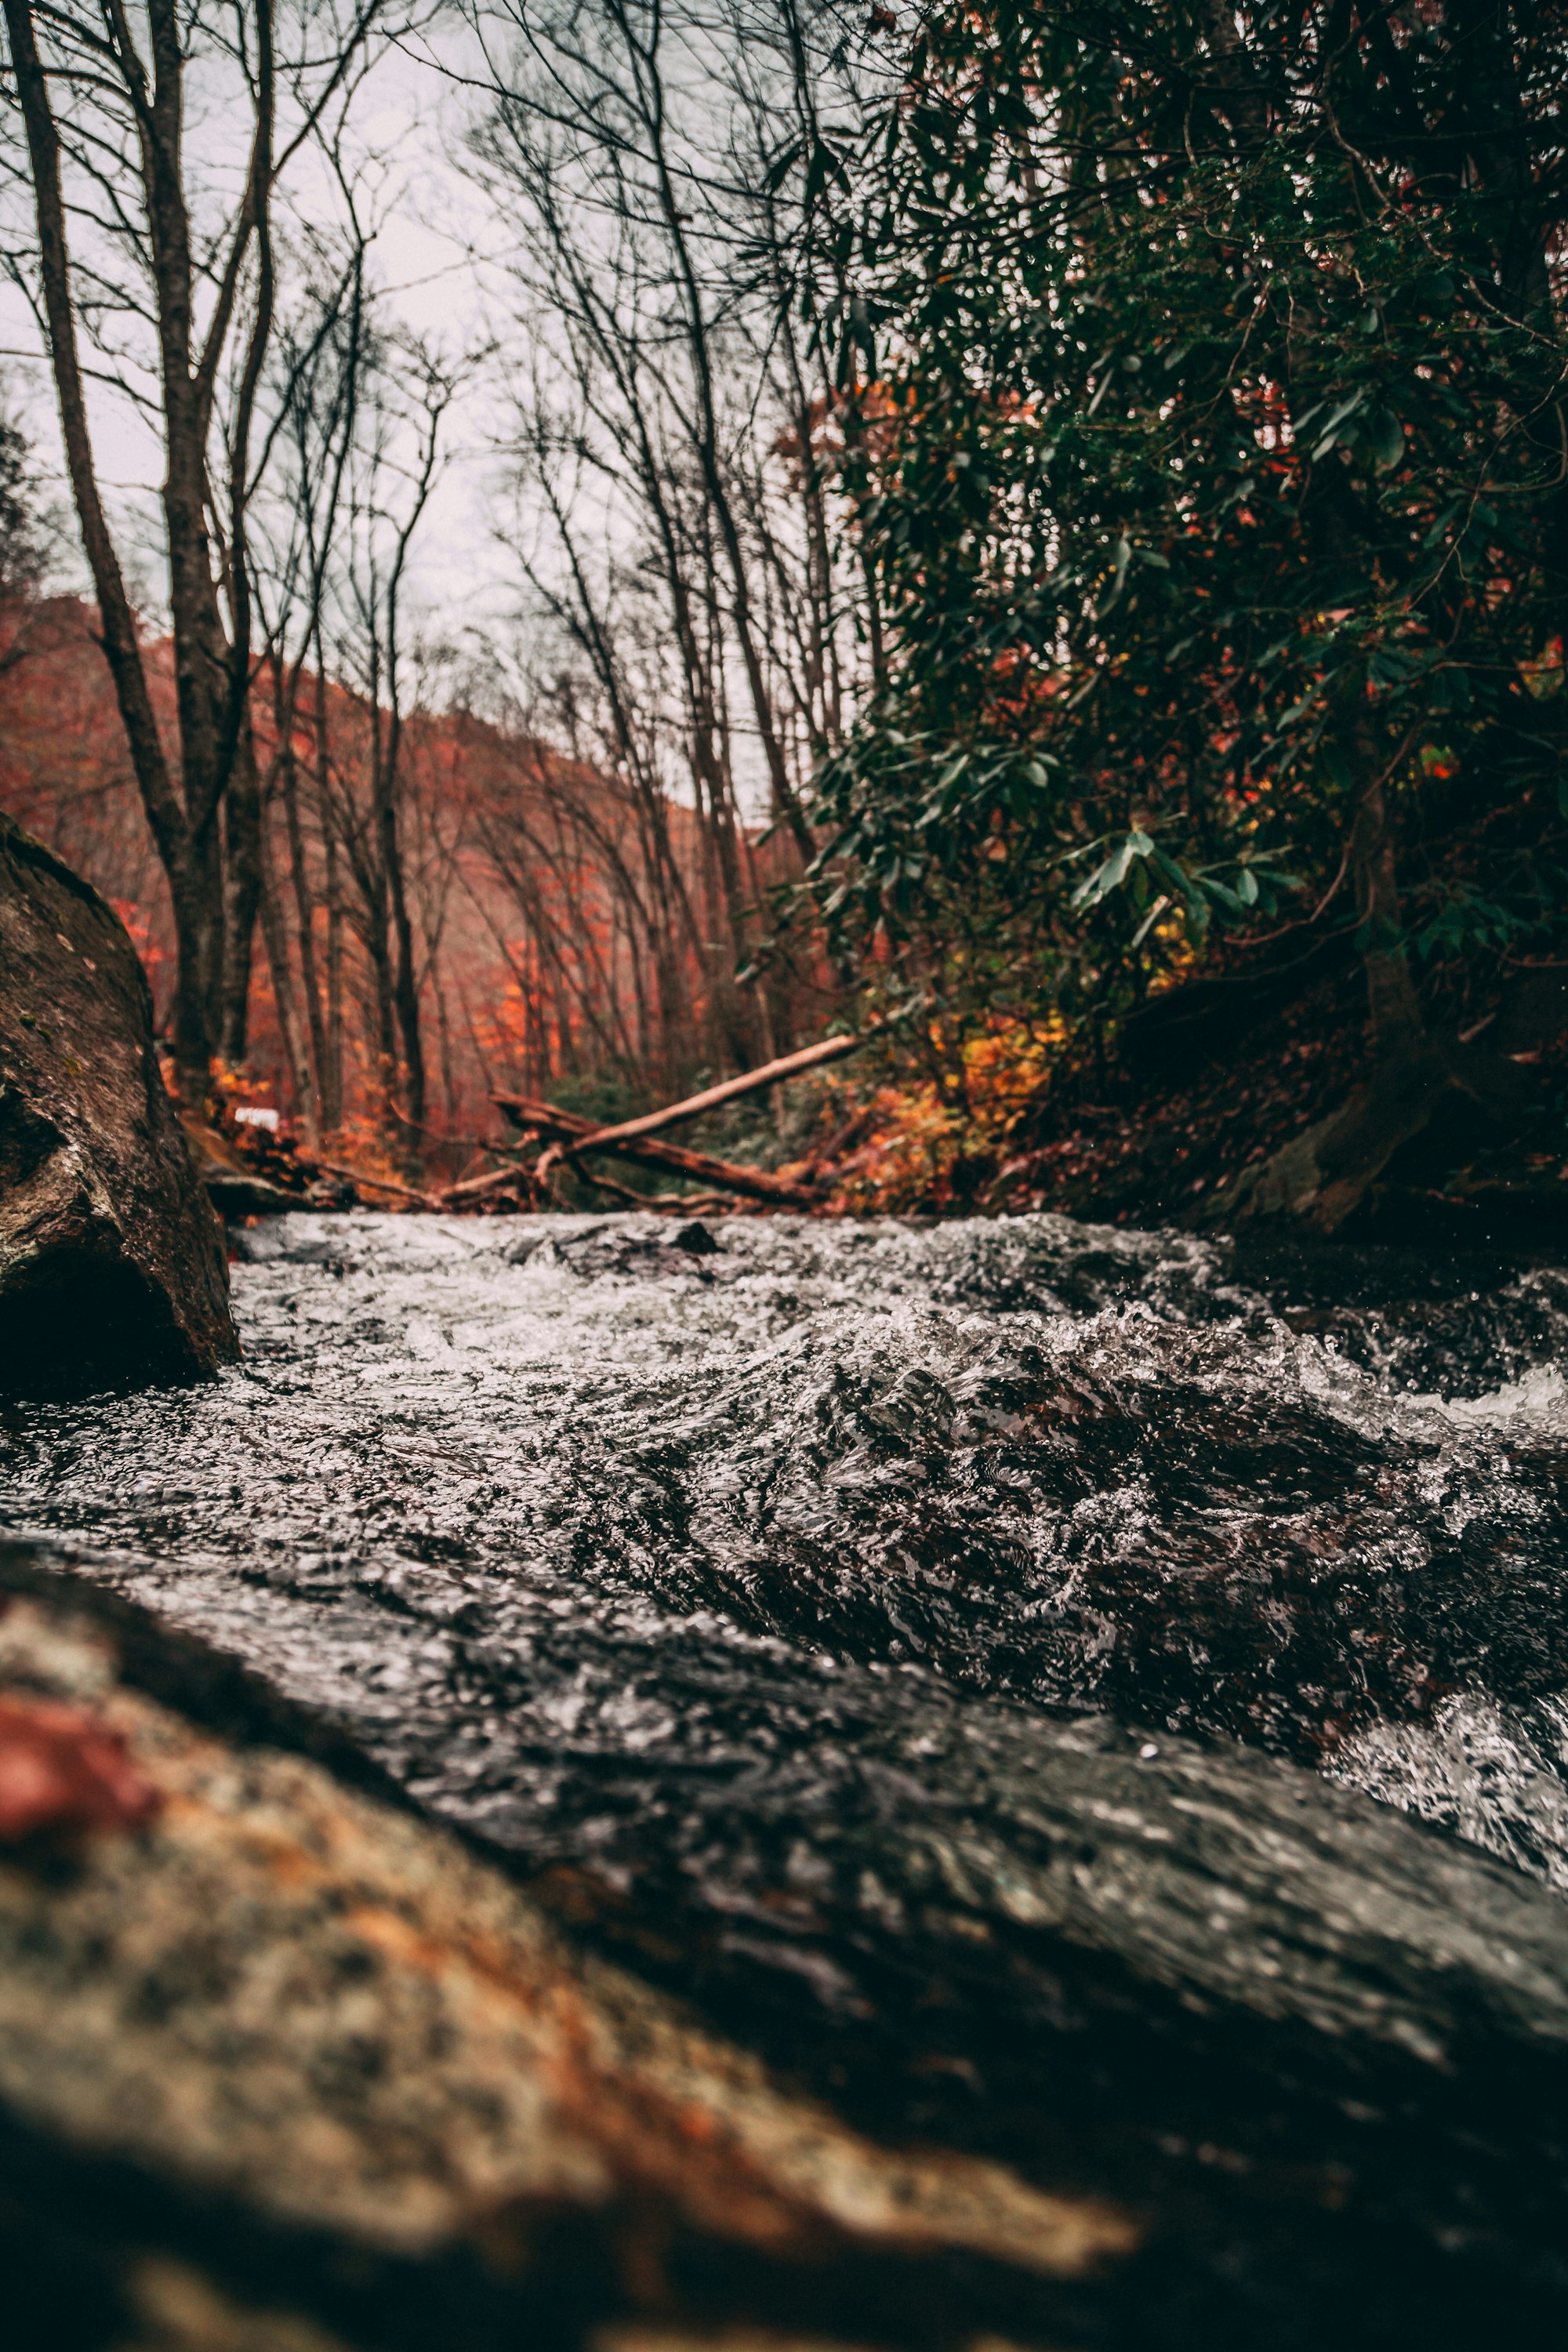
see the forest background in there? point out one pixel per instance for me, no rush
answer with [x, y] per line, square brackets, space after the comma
[1047, 524]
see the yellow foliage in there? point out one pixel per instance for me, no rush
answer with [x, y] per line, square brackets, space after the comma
[930, 1147]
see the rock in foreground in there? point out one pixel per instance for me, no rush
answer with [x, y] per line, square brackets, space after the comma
[281, 2064]
[112, 1262]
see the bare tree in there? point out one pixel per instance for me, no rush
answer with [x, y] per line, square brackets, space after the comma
[672, 416]
[360, 407]
[325, 344]
[397, 463]
[173, 288]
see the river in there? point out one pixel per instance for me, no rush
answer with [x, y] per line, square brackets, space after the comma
[1098, 1699]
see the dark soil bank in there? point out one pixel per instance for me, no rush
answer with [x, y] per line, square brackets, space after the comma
[1213, 1079]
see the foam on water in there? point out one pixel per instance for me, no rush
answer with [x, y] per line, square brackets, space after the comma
[1072, 1466]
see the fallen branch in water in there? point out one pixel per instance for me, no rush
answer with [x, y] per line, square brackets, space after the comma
[750, 1082]
[495, 1180]
[357, 1177]
[567, 1136]
[687, 1203]
[577, 1134]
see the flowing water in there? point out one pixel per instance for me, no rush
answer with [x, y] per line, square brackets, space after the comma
[1098, 1698]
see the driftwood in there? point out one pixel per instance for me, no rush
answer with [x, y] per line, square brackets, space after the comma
[357, 1176]
[750, 1082]
[568, 1137]
[474, 1188]
[576, 1134]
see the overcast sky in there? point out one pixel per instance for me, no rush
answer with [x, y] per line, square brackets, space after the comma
[430, 258]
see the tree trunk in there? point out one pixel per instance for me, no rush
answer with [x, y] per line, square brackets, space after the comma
[1394, 1013]
[312, 1102]
[275, 938]
[405, 979]
[190, 1035]
[122, 652]
[242, 846]
[211, 661]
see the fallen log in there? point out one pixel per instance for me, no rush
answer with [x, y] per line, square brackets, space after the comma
[474, 1187]
[357, 1176]
[575, 1135]
[750, 1082]
[686, 1204]
[569, 1137]
[279, 2059]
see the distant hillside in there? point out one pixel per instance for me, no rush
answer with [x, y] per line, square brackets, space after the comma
[573, 933]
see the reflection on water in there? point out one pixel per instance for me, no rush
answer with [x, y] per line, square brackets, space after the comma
[854, 1626]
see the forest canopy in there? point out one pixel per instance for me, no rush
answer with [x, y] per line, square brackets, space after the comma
[1205, 431]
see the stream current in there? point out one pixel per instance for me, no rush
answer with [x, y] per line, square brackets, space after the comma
[1097, 1698]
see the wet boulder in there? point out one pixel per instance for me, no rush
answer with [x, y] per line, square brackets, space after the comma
[282, 2065]
[111, 1260]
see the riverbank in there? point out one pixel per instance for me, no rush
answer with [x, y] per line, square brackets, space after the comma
[1194, 1094]
[1207, 1084]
